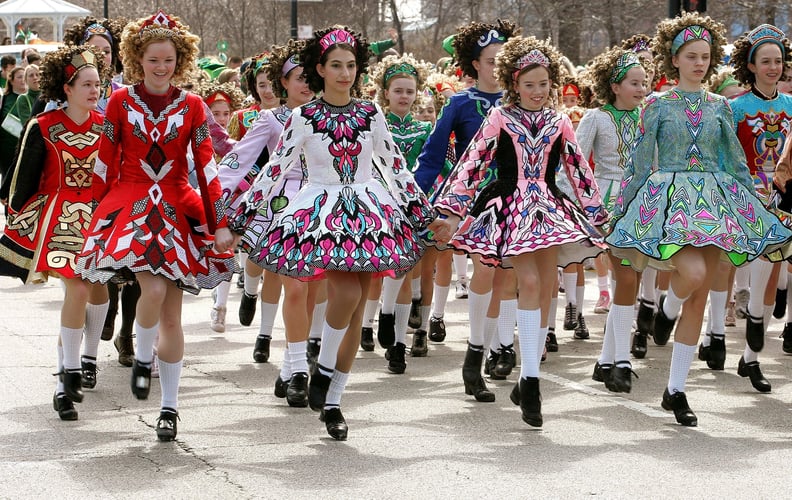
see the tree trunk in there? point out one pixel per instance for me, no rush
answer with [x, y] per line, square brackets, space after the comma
[397, 25]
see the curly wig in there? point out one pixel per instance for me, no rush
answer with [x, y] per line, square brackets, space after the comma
[600, 72]
[389, 66]
[134, 43]
[739, 58]
[467, 38]
[76, 35]
[209, 88]
[312, 55]
[668, 29]
[638, 43]
[507, 69]
[53, 70]
[281, 54]
[722, 79]
[258, 63]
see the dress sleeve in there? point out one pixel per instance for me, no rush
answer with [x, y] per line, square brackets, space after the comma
[731, 153]
[287, 153]
[26, 174]
[389, 162]
[580, 175]
[432, 158]
[107, 166]
[586, 133]
[206, 171]
[463, 181]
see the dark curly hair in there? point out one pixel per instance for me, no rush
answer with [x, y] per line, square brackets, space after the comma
[668, 29]
[250, 73]
[507, 63]
[637, 41]
[53, 70]
[467, 37]
[312, 55]
[739, 58]
[115, 26]
[280, 54]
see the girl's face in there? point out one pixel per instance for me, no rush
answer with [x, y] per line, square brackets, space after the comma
[83, 92]
[18, 82]
[767, 65]
[630, 91]
[264, 89]
[569, 101]
[33, 78]
[159, 64]
[426, 113]
[221, 112]
[400, 94]
[102, 44]
[693, 61]
[297, 87]
[785, 84]
[339, 71]
[534, 86]
[485, 66]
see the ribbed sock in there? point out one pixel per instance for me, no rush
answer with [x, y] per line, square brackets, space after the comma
[252, 284]
[760, 275]
[648, 279]
[170, 374]
[477, 308]
[95, 315]
[286, 367]
[570, 287]
[672, 304]
[491, 334]
[71, 338]
[608, 352]
[298, 357]
[337, 385]
[146, 337]
[681, 359]
[507, 320]
[390, 290]
[331, 341]
[425, 317]
[440, 299]
[717, 323]
[622, 324]
[402, 314]
[529, 330]
[268, 314]
[317, 321]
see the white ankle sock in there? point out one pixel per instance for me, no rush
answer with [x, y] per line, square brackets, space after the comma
[298, 358]
[338, 383]
[268, 313]
[681, 359]
[331, 341]
[477, 308]
[317, 321]
[402, 315]
[440, 299]
[170, 373]
[286, 366]
[529, 330]
[95, 315]
[144, 352]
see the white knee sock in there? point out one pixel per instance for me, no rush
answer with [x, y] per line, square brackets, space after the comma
[71, 338]
[59, 389]
[317, 321]
[251, 284]
[540, 344]
[602, 283]
[298, 358]
[717, 322]
[369, 313]
[221, 294]
[440, 299]
[782, 277]
[337, 385]
[648, 279]
[402, 313]
[742, 278]
[491, 338]
[580, 293]
[672, 303]
[286, 366]
[570, 287]
[425, 317]
[760, 276]
[552, 313]
[506, 321]
[146, 337]
[460, 266]
[95, 315]
[477, 307]
[170, 373]
[268, 313]
[331, 341]
[681, 358]
[528, 330]
[415, 288]
[608, 352]
[622, 324]
[768, 317]
[390, 290]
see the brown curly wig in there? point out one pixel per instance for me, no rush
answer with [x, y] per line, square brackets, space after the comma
[638, 43]
[209, 88]
[739, 58]
[312, 55]
[507, 63]
[721, 78]
[281, 54]
[378, 74]
[258, 63]
[53, 70]
[466, 42]
[133, 45]
[600, 71]
[76, 34]
[667, 29]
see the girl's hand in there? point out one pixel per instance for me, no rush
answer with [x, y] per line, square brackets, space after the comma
[444, 228]
[224, 239]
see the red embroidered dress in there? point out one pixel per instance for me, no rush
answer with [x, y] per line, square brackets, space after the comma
[50, 201]
[149, 218]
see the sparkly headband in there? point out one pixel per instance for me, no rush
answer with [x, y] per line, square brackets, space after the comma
[570, 89]
[487, 39]
[728, 82]
[259, 62]
[624, 63]
[402, 68]
[160, 25]
[79, 61]
[640, 46]
[292, 62]
[694, 32]
[765, 33]
[217, 96]
[535, 56]
[335, 37]
[96, 29]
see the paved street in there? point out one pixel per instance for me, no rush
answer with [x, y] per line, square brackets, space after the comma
[411, 436]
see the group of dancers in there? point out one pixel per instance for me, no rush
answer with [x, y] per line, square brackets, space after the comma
[348, 198]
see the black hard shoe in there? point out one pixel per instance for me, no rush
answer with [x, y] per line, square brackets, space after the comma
[437, 329]
[419, 347]
[526, 394]
[386, 330]
[471, 375]
[415, 314]
[241, 280]
[334, 423]
[317, 389]
[780, 304]
[72, 384]
[717, 352]
[261, 350]
[551, 342]
[141, 380]
[601, 372]
[396, 361]
[88, 380]
[367, 339]
[754, 333]
[752, 371]
[312, 352]
[787, 336]
[125, 348]
[639, 343]
[107, 332]
[570, 317]
[663, 325]
[280, 387]
[620, 379]
[581, 330]
[166, 424]
[297, 392]
[247, 308]
[64, 406]
[490, 362]
[677, 403]
[644, 322]
[505, 364]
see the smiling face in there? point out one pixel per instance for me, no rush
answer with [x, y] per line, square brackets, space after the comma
[264, 89]
[693, 61]
[767, 65]
[534, 86]
[297, 91]
[631, 90]
[159, 63]
[400, 94]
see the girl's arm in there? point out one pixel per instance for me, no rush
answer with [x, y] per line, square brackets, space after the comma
[25, 175]
[586, 133]
[580, 175]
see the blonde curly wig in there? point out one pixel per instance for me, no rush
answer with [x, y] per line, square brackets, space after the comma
[668, 29]
[76, 35]
[133, 45]
[390, 67]
[229, 89]
[507, 69]
[739, 58]
[599, 73]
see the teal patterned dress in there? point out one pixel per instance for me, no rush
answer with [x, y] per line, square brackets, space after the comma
[687, 184]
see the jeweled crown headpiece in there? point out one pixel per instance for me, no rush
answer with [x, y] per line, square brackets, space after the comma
[640, 46]
[765, 33]
[160, 25]
[79, 61]
[335, 37]
[533, 57]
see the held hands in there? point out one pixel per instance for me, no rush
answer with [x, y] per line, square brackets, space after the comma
[444, 227]
[224, 239]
